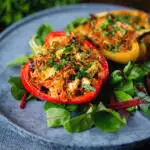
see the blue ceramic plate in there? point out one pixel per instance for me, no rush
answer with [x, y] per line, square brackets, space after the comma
[32, 121]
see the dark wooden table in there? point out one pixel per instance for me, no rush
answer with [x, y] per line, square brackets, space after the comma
[139, 4]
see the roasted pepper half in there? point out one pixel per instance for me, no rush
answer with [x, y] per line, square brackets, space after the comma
[70, 71]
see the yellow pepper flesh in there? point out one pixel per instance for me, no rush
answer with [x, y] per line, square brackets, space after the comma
[123, 57]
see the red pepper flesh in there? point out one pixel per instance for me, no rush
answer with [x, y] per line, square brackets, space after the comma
[54, 34]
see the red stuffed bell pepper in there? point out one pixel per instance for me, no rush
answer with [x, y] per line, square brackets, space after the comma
[69, 70]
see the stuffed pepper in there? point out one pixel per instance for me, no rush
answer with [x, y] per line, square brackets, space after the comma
[116, 34]
[67, 70]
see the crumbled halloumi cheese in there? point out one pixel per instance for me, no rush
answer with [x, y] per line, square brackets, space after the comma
[49, 72]
[58, 84]
[79, 56]
[53, 92]
[93, 69]
[59, 53]
[73, 85]
[85, 81]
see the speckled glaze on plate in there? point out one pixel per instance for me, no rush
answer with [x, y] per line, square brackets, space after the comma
[31, 122]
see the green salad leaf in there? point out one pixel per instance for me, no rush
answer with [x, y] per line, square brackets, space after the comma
[146, 66]
[17, 89]
[70, 107]
[138, 71]
[108, 120]
[19, 61]
[75, 23]
[140, 94]
[133, 74]
[127, 86]
[122, 96]
[103, 118]
[42, 32]
[127, 69]
[49, 105]
[57, 116]
[145, 108]
[116, 77]
[79, 123]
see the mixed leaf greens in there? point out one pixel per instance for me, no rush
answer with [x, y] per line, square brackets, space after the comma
[17, 89]
[79, 123]
[108, 120]
[130, 83]
[56, 117]
[105, 119]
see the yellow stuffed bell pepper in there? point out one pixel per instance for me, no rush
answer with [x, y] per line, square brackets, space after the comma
[122, 26]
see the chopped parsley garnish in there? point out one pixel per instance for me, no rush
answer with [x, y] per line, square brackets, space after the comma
[44, 68]
[117, 47]
[51, 62]
[106, 33]
[113, 48]
[84, 68]
[110, 28]
[110, 47]
[105, 25]
[123, 18]
[138, 27]
[82, 74]
[68, 49]
[88, 87]
[115, 28]
[123, 30]
[57, 66]
[53, 54]
[64, 61]
[89, 52]
[111, 20]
